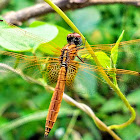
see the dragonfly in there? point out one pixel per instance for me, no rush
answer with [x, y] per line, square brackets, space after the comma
[62, 68]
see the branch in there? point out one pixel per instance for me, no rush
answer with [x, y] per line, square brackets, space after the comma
[3, 3]
[67, 98]
[43, 8]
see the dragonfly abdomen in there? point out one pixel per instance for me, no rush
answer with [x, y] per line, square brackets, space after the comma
[55, 101]
[68, 53]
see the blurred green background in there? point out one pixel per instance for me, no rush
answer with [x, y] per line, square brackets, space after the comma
[101, 24]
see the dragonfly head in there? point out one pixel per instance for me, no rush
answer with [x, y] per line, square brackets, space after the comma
[74, 38]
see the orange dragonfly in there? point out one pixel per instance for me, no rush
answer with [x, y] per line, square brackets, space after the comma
[61, 70]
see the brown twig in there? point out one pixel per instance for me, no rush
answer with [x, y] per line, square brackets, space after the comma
[3, 4]
[43, 8]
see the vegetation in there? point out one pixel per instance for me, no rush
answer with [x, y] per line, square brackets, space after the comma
[23, 105]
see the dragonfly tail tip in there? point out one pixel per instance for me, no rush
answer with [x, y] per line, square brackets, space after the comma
[47, 132]
[46, 135]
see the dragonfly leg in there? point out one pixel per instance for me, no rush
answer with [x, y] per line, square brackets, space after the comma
[80, 59]
[80, 48]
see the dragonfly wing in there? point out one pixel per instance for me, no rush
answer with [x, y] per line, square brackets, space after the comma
[28, 65]
[111, 72]
[52, 70]
[96, 48]
[71, 72]
[106, 48]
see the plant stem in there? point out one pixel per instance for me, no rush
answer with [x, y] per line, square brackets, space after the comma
[115, 88]
[67, 98]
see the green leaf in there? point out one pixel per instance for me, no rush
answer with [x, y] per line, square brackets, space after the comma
[14, 39]
[28, 130]
[98, 100]
[114, 50]
[111, 105]
[42, 100]
[3, 120]
[45, 38]
[4, 104]
[37, 23]
[134, 97]
[103, 59]
[126, 135]
[87, 136]
[116, 119]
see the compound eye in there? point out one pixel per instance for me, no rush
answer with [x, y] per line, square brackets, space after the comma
[69, 39]
[78, 41]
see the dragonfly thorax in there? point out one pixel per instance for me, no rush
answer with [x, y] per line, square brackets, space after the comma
[68, 53]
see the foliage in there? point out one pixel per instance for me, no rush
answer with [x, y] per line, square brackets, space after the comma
[105, 24]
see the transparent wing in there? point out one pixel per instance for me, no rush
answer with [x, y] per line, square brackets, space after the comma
[48, 68]
[123, 46]
[52, 70]
[32, 66]
[71, 72]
